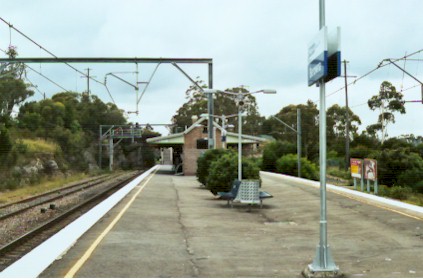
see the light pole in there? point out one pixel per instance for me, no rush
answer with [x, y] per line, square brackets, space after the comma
[224, 126]
[240, 96]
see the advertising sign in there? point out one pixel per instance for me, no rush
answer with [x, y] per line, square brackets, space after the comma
[370, 169]
[356, 167]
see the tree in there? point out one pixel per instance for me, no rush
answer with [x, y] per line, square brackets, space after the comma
[388, 101]
[13, 90]
[336, 127]
[273, 151]
[309, 127]
[224, 104]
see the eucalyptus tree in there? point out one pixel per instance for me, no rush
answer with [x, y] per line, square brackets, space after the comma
[388, 102]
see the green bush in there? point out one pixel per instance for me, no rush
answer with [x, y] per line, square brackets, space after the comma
[204, 161]
[273, 151]
[399, 192]
[288, 164]
[224, 170]
[6, 144]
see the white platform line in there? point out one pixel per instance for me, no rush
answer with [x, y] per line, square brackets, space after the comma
[382, 200]
[35, 262]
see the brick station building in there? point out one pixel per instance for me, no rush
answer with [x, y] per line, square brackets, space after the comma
[187, 146]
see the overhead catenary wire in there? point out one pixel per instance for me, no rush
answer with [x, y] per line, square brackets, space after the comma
[49, 52]
[379, 66]
[42, 75]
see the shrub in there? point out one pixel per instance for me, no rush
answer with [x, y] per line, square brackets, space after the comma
[288, 164]
[273, 151]
[204, 161]
[400, 193]
[224, 170]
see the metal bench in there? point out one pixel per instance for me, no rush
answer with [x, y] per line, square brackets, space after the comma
[231, 195]
[246, 191]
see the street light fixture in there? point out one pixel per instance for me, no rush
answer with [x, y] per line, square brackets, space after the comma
[240, 96]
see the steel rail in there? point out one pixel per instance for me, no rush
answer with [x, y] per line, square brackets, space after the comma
[77, 188]
[9, 253]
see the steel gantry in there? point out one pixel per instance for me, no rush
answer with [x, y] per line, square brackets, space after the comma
[108, 132]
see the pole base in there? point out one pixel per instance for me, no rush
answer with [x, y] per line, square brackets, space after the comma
[310, 273]
[323, 265]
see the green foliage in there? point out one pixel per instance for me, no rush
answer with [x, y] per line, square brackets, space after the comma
[6, 144]
[388, 101]
[288, 164]
[273, 151]
[396, 192]
[217, 169]
[224, 104]
[222, 172]
[400, 167]
[70, 119]
[204, 162]
[309, 127]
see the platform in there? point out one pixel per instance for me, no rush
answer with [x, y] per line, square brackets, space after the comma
[176, 228]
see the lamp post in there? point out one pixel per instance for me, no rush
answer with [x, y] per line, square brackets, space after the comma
[240, 96]
[224, 126]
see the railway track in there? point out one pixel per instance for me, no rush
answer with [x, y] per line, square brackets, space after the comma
[16, 208]
[58, 219]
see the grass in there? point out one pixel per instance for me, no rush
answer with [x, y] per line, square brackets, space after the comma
[44, 186]
[40, 146]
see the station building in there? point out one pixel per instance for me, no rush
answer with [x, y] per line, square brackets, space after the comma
[184, 148]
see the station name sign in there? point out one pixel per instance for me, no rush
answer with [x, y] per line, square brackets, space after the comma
[324, 56]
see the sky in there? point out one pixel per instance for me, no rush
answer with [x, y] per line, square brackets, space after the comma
[262, 44]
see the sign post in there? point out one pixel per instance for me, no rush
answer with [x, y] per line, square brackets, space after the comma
[324, 64]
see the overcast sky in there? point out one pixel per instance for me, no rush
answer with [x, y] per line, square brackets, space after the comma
[257, 43]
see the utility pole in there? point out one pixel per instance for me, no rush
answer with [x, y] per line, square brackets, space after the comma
[347, 120]
[88, 80]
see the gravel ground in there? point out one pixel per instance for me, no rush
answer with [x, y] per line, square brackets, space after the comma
[16, 226]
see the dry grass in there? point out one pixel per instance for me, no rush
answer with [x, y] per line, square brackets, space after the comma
[44, 186]
[40, 145]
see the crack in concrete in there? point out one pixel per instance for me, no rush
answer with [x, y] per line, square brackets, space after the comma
[184, 229]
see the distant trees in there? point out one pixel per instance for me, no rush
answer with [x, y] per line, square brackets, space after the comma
[309, 127]
[13, 90]
[224, 104]
[336, 123]
[388, 101]
[69, 118]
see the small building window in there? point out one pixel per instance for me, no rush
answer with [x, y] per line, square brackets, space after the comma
[202, 144]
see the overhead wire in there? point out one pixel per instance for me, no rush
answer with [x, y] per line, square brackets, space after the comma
[49, 52]
[379, 66]
[42, 75]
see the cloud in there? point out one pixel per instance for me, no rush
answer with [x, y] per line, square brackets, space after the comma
[262, 44]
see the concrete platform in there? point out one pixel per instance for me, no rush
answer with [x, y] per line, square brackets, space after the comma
[176, 228]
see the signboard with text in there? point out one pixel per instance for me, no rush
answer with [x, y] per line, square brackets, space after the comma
[324, 56]
[356, 167]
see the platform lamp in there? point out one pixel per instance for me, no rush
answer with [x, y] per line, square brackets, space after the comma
[240, 98]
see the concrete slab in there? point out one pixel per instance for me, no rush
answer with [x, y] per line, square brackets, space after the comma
[176, 228]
